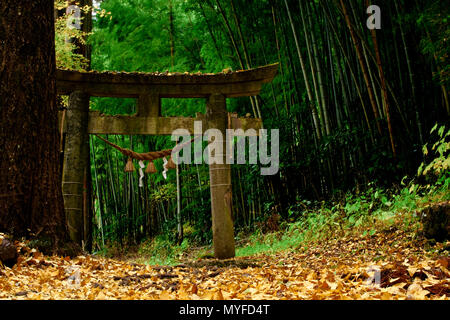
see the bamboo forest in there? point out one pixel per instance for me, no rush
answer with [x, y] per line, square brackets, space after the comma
[224, 149]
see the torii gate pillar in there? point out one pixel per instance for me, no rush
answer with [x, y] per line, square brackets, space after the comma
[76, 168]
[220, 183]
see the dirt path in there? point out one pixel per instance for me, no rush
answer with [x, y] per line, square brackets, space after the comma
[383, 266]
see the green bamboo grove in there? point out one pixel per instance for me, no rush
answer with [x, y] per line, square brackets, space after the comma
[352, 104]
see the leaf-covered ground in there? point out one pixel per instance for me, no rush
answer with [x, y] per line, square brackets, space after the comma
[389, 265]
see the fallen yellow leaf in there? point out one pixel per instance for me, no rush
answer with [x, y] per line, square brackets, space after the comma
[416, 292]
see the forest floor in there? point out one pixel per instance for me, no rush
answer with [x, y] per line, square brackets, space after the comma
[390, 264]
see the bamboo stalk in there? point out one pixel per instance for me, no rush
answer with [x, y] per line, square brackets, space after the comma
[352, 74]
[383, 87]
[305, 76]
[256, 112]
[279, 56]
[94, 165]
[202, 11]
[358, 50]
[319, 74]
[171, 35]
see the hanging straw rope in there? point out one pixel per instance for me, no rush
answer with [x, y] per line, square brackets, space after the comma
[153, 155]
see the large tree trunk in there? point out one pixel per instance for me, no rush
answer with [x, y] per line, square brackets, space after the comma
[31, 202]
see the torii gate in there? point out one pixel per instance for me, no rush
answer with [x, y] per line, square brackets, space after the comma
[148, 89]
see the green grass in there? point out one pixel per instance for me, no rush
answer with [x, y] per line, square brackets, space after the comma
[160, 251]
[272, 242]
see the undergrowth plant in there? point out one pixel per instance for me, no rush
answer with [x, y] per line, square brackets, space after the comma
[439, 166]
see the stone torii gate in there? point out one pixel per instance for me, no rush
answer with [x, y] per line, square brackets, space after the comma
[148, 89]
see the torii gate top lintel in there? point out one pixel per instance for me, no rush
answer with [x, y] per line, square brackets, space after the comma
[167, 85]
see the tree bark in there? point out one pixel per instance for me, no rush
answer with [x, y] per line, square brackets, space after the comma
[31, 202]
